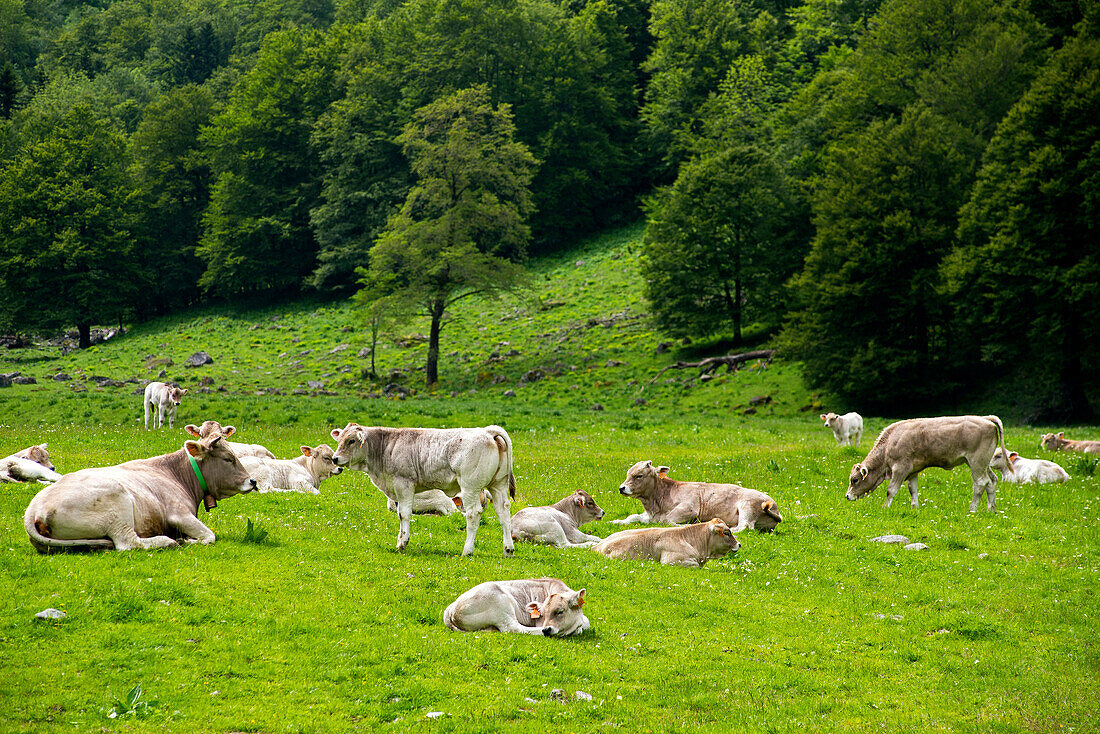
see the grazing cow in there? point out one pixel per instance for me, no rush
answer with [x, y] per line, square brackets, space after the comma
[690, 545]
[301, 474]
[558, 524]
[906, 448]
[29, 465]
[146, 503]
[164, 399]
[213, 428]
[529, 606]
[1059, 442]
[1025, 471]
[464, 461]
[669, 501]
[847, 428]
[435, 502]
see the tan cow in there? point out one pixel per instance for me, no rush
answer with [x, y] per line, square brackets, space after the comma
[669, 501]
[402, 462]
[1059, 442]
[300, 474]
[690, 545]
[164, 399]
[906, 448]
[146, 503]
[213, 428]
[32, 464]
[543, 606]
[558, 524]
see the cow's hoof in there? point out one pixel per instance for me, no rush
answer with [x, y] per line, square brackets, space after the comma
[509, 552]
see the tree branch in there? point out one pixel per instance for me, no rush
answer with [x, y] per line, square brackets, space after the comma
[710, 364]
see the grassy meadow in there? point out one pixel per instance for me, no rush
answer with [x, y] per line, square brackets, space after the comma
[321, 626]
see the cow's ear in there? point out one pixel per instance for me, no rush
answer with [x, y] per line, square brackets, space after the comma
[360, 435]
[183, 392]
[43, 446]
[1060, 434]
[534, 610]
[649, 464]
[192, 429]
[578, 500]
[662, 471]
[335, 433]
[862, 470]
[306, 450]
[1013, 456]
[578, 600]
[194, 448]
[822, 416]
[228, 431]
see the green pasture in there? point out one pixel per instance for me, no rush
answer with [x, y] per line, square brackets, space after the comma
[323, 627]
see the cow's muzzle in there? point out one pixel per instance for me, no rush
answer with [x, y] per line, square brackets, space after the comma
[548, 631]
[849, 496]
[624, 490]
[339, 461]
[251, 484]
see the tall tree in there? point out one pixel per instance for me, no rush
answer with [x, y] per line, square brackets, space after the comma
[65, 245]
[462, 229]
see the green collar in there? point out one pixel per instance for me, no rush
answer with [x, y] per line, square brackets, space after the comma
[207, 497]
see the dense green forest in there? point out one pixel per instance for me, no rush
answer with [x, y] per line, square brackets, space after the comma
[903, 195]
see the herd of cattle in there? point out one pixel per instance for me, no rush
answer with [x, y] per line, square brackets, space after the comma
[153, 503]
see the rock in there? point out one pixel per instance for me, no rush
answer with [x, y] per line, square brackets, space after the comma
[513, 353]
[528, 699]
[206, 381]
[315, 385]
[895, 617]
[558, 694]
[253, 327]
[304, 352]
[364, 352]
[664, 347]
[916, 546]
[51, 613]
[498, 379]
[595, 406]
[198, 359]
[532, 376]
[582, 696]
[983, 555]
[509, 393]
[640, 401]
[394, 389]
[761, 400]
[5, 381]
[24, 380]
[338, 348]
[748, 411]
[891, 539]
[61, 377]
[162, 374]
[434, 714]
[580, 263]
[613, 363]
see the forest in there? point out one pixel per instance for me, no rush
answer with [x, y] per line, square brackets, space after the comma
[902, 196]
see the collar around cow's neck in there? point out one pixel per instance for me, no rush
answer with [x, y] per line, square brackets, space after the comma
[208, 500]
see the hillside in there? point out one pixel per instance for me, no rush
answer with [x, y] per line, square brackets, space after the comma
[580, 338]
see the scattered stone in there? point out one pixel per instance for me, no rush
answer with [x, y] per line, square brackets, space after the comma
[530, 700]
[51, 613]
[557, 694]
[339, 348]
[613, 363]
[640, 401]
[509, 393]
[983, 555]
[198, 359]
[916, 546]
[580, 263]
[299, 391]
[595, 406]
[748, 411]
[5, 381]
[304, 352]
[895, 617]
[582, 696]
[664, 347]
[761, 400]
[254, 327]
[532, 376]
[891, 539]
[24, 380]
[61, 377]
[295, 340]
[513, 353]
[162, 374]
[498, 379]
[433, 714]
[315, 385]
[206, 381]
[364, 352]
[394, 389]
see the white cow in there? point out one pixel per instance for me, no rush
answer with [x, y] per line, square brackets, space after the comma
[847, 428]
[435, 502]
[164, 399]
[29, 465]
[302, 474]
[213, 428]
[558, 524]
[543, 606]
[1025, 471]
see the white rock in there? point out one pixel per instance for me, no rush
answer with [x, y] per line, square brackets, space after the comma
[899, 539]
[433, 714]
[51, 613]
[582, 696]
[916, 546]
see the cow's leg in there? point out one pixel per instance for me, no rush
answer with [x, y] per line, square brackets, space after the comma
[147, 404]
[896, 478]
[912, 482]
[160, 416]
[471, 508]
[579, 539]
[404, 494]
[977, 481]
[192, 529]
[172, 417]
[122, 534]
[503, 505]
[642, 517]
[985, 479]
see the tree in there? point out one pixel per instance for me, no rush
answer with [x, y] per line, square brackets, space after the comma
[712, 253]
[65, 248]
[462, 228]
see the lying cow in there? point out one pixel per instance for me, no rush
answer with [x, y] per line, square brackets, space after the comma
[146, 503]
[530, 606]
[213, 428]
[690, 545]
[164, 399]
[301, 474]
[403, 462]
[906, 448]
[435, 502]
[558, 524]
[847, 428]
[669, 501]
[29, 465]
[1059, 442]
[1027, 471]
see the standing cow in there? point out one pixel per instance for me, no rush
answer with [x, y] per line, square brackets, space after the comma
[847, 429]
[906, 448]
[162, 399]
[459, 461]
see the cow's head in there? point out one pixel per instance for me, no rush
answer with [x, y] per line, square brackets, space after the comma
[721, 539]
[223, 472]
[641, 479]
[321, 461]
[999, 462]
[39, 455]
[560, 615]
[860, 482]
[175, 394]
[350, 446]
[829, 418]
[210, 428]
[587, 509]
[1053, 441]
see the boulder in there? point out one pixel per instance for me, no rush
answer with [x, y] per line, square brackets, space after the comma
[916, 546]
[24, 380]
[198, 359]
[891, 539]
[51, 613]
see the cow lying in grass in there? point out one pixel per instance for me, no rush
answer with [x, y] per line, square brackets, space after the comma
[29, 465]
[558, 524]
[690, 545]
[1059, 442]
[669, 501]
[301, 474]
[213, 428]
[146, 503]
[435, 502]
[1025, 471]
[543, 606]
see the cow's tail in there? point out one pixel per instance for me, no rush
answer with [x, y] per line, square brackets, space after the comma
[771, 510]
[38, 529]
[504, 450]
[1001, 439]
[449, 617]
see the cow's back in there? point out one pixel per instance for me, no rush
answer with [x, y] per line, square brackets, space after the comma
[944, 441]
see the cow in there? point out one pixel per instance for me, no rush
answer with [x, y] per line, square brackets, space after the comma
[212, 428]
[1025, 471]
[300, 474]
[164, 399]
[669, 501]
[402, 462]
[688, 545]
[145, 503]
[906, 448]
[847, 428]
[32, 464]
[1059, 442]
[543, 606]
[558, 524]
[435, 502]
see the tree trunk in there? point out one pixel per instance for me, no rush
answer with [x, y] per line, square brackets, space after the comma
[85, 335]
[373, 346]
[431, 369]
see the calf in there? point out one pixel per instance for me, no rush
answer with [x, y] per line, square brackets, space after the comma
[906, 448]
[669, 501]
[1059, 442]
[213, 428]
[435, 502]
[146, 503]
[164, 399]
[302, 474]
[543, 606]
[558, 524]
[29, 465]
[847, 428]
[690, 545]
[1024, 471]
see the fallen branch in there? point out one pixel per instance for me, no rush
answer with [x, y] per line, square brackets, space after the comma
[711, 364]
